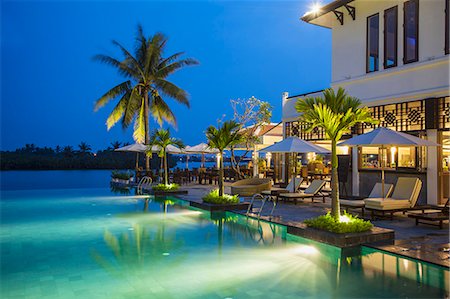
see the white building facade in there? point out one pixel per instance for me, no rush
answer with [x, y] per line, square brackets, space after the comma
[393, 56]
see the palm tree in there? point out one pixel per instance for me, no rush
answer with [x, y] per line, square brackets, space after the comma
[335, 113]
[162, 139]
[141, 94]
[84, 148]
[116, 144]
[68, 151]
[221, 138]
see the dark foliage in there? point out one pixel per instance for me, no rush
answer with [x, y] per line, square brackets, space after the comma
[31, 157]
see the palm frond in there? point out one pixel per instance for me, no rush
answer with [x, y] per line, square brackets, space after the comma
[122, 68]
[112, 93]
[139, 125]
[118, 110]
[169, 89]
[161, 112]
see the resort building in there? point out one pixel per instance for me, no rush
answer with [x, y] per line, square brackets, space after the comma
[393, 56]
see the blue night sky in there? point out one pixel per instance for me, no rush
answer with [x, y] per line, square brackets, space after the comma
[246, 48]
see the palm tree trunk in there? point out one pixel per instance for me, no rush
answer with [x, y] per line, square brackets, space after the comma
[221, 187]
[335, 208]
[147, 129]
[166, 181]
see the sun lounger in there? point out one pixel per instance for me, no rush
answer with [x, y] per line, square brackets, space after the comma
[311, 192]
[293, 186]
[375, 193]
[404, 198]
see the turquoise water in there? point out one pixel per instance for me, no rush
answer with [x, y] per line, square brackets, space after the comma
[94, 243]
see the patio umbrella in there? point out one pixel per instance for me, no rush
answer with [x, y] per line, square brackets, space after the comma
[383, 137]
[294, 145]
[201, 148]
[137, 148]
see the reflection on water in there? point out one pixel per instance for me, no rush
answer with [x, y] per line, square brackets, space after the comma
[116, 246]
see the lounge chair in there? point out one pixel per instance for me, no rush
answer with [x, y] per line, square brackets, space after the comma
[293, 186]
[311, 192]
[375, 193]
[249, 187]
[439, 215]
[404, 198]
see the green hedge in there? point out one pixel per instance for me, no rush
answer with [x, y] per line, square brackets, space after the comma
[352, 224]
[163, 187]
[213, 197]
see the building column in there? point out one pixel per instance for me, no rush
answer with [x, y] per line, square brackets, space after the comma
[432, 169]
[355, 171]
[284, 97]
[255, 156]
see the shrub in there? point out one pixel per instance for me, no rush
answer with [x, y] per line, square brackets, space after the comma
[121, 175]
[213, 197]
[352, 224]
[168, 187]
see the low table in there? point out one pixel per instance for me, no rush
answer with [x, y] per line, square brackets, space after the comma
[431, 217]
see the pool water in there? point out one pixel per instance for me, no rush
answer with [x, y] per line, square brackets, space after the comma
[95, 243]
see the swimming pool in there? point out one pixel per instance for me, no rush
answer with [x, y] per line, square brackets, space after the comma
[92, 243]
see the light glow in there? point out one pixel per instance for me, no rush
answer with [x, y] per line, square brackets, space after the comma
[344, 218]
[268, 157]
[218, 160]
[315, 8]
[311, 157]
[393, 151]
[306, 249]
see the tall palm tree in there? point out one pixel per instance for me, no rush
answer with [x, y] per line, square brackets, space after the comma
[84, 148]
[141, 94]
[335, 113]
[221, 138]
[162, 139]
[115, 144]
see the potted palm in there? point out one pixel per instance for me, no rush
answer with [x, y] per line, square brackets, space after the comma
[222, 137]
[161, 139]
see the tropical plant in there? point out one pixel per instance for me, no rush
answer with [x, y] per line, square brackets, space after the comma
[221, 138]
[141, 95]
[84, 148]
[349, 224]
[68, 151]
[161, 138]
[166, 187]
[115, 144]
[335, 113]
[215, 198]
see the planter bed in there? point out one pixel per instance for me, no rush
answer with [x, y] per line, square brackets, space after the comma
[163, 193]
[219, 207]
[375, 235]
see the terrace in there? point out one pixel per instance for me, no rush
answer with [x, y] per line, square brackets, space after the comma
[422, 242]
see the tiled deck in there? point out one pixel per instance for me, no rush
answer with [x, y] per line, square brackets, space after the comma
[422, 242]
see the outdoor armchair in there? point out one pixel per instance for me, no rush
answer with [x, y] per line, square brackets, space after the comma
[249, 187]
[375, 193]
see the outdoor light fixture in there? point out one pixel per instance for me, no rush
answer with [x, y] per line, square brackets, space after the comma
[311, 157]
[218, 160]
[393, 151]
[344, 218]
[268, 157]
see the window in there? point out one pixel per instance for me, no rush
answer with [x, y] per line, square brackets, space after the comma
[411, 31]
[447, 31]
[390, 37]
[407, 157]
[372, 43]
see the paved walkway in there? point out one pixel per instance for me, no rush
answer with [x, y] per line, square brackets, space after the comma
[422, 242]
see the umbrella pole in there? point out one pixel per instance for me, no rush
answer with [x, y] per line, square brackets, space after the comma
[203, 161]
[382, 172]
[137, 160]
[187, 161]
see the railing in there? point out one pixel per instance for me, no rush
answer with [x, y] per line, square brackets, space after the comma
[146, 180]
[264, 200]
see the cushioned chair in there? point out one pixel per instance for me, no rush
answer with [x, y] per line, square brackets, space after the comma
[249, 187]
[375, 193]
[404, 197]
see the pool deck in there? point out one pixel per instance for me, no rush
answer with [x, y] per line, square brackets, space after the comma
[422, 242]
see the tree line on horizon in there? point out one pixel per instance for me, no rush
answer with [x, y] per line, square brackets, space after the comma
[32, 157]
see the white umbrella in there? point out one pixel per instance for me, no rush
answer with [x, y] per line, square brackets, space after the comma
[137, 148]
[201, 148]
[382, 137]
[294, 145]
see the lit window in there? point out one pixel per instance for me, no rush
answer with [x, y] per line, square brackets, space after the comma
[406, 157]
[372, 43]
